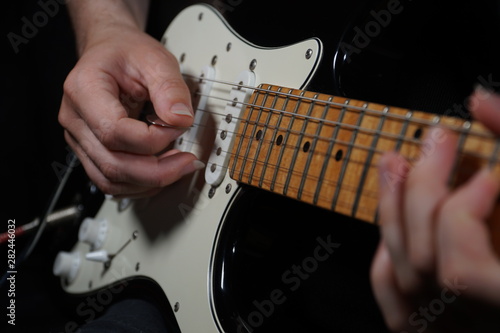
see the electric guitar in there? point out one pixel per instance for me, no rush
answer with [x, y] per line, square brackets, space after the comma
[307, 160]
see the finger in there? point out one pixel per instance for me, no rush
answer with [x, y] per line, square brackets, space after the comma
[146, 171]
[426, 187]
[167, 89]
[464, 245]
[145, 194]
[94, 97]
[393, 172]
[106, 186]
[393, 305]
[392, 175]
[484, 106]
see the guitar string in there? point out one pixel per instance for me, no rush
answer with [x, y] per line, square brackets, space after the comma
[338, 142]
[305, 117]
[328, 182]
[298, 173]
[407, 156]
[383, 135]
[459, 129]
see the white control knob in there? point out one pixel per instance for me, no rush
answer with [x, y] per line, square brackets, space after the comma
[67, 265]
[98, 256]
[93, 232]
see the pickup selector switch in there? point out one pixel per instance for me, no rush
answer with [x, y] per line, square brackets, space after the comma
[93, 232]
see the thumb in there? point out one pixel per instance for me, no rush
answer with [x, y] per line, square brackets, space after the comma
[168, 91]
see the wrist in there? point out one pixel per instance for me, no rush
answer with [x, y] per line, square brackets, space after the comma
[93, 21]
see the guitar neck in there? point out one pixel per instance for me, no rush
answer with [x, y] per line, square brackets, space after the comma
[324, 150]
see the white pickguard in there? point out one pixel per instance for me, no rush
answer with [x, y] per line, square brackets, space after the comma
[175, 231]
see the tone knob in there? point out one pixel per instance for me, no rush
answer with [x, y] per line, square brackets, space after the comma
[67, 265]
[93, 232]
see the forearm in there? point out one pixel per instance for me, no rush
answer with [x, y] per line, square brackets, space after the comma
[91, 18]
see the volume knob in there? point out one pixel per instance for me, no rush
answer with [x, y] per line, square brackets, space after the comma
[67, 265]
[93, 232]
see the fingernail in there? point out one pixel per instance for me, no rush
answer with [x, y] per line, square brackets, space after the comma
[198, 165]
[194, 166]
[181, 109]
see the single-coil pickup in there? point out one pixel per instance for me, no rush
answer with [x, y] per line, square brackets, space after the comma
[220, 154]
[201, 88]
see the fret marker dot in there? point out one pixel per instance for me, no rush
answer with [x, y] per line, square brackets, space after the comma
[279, 140]
[418, 133]
[306, 147]
[338, 155]
[258, 135]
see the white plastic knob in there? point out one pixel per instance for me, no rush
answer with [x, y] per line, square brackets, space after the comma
[67, 265]
[98, 256]
[93, 232]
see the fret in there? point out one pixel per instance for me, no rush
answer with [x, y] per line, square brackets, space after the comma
[262, 136]
[458, 158]
[252, 136]
[494, 155]
[328, 155]
[404, 129]
[313, 148]
[242, 135]
[298, 146]
[285, 140]
[274, 139]
[368, 165]
[347, 158]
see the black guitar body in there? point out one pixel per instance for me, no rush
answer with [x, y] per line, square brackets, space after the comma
[283, 266]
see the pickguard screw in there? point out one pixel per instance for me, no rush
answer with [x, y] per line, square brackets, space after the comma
[253, 64]
[176, 306]
[211, 192]
[228, 188]
[137, 266]
[309, 53]
[123, 204]
[214, 60]
[223, 135]
[135, 234]
[228, 47]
